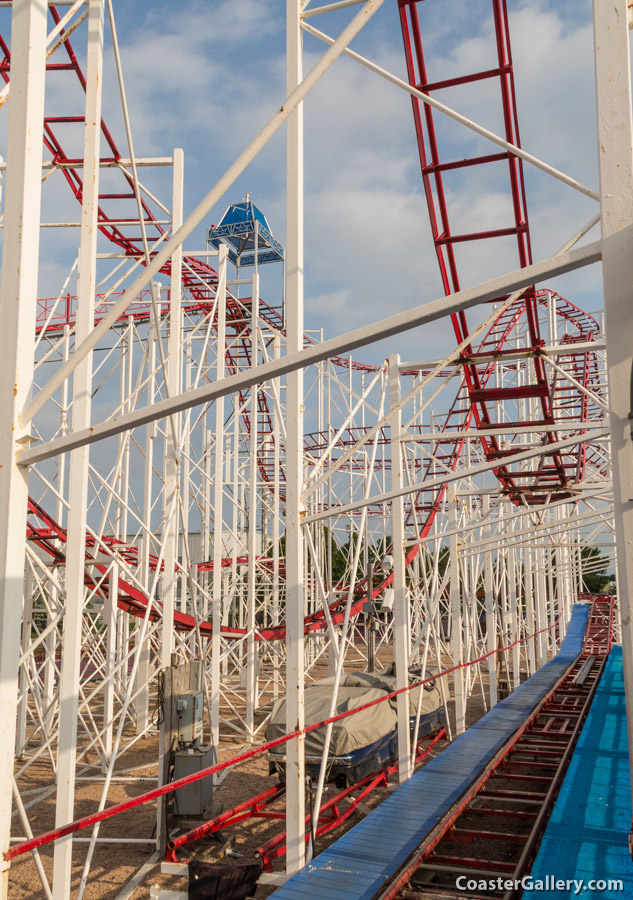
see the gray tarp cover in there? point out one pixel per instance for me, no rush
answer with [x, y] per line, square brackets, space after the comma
[356, 731]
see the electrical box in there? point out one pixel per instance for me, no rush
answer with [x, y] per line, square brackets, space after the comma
[193, 799]
[190, 707]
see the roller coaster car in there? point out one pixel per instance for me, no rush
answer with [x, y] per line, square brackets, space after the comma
[364, 743]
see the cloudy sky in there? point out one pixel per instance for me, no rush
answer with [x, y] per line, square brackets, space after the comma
[205, 75]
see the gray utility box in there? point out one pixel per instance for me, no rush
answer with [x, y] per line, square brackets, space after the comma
[189, 707]
[193, 799]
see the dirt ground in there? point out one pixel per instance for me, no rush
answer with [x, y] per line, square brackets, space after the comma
[114, 864]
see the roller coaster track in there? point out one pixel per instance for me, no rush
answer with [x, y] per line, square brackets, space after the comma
[476, 397]
[494, 830]
[558, 473]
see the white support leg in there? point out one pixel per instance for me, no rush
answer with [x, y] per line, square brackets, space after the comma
[18, 302]
[515, 626]
[276, 436]
[295, 758]
[172, 428]
[491, 618]
[110, 624]
[27, 624]
[251, 588]
[530, 621]
[143, 673]
[457, 641]
[78, 487]
[401, 610]
[540, 608]
[218, 469]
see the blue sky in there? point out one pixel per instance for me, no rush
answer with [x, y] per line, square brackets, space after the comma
[368, 247]
[206, 76]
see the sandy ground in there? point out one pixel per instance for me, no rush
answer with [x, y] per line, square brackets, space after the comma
[114, 864]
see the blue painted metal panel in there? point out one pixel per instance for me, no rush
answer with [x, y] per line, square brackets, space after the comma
[596, 797]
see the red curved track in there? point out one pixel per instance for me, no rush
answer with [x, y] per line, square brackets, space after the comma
[475, 399]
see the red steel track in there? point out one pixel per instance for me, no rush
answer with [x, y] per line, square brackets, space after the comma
[476, 397]
[483, 397]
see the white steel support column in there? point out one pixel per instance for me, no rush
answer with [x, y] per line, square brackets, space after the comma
[276, 436]
[540, 608]
[526, 556]
[615, 142]
[401, 610]
[218, 482]
[295, 761]
[109, 615]
[18, 302]
[515, 626]
[144, 670]
[79, 459]
[491, 618]
[457, 641]
[23, 683]
[251, 588]
[172, 428]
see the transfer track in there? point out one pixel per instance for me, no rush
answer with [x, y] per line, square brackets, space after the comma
[493, 832]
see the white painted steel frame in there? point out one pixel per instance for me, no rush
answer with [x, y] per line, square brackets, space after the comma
[416, 633]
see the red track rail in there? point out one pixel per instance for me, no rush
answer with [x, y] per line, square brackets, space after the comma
[557, 473]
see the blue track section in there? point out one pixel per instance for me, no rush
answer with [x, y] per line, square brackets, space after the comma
[359, 863]
[587, 835]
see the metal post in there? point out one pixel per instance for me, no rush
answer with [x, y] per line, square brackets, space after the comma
[276, 437]
[251, 649]
[171, 488]
[491, 618]
[529, 608]
[110, 623]
[172, 429]
[295, 761]
[615, 142]
[218, 468]
[401, 598]
[18, 303]
[515, 623]
[540, 608]
[23, 683]
[456, 618]
[79, 459]
[144, 670]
